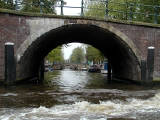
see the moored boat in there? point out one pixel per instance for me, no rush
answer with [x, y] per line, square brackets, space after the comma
[94, 68]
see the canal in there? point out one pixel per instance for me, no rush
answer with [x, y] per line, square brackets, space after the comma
[79, 95]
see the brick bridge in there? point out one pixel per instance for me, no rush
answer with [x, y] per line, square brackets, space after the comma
[124, 43]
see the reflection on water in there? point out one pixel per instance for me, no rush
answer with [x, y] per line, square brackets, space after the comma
[72, 95]
[68, 80]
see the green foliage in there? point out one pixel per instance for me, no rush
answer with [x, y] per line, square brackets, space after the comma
[93, 54]
[46, 6]
[117, 9]
[96, 9]
[138, 10]
[7, 4]
[151, 11]
[56, 55]
[77, 55]
[121, 9]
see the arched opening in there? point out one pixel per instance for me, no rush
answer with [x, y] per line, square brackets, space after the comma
[123, 59]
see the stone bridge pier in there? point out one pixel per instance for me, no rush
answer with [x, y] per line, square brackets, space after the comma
[125, 44]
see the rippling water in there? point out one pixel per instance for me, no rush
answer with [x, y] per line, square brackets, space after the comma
[72, 95]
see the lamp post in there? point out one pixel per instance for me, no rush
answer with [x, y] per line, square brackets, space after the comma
[16, 5]
[62, 4]
[41, 6]
[106, 8]
[82, 6]
[155, 14]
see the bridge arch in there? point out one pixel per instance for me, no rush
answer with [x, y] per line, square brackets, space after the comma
[115, 45]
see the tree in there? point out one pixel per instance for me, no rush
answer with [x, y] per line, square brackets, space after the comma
[95, 9]
[7, 4]
[117, 9]
[121, 9]
[93, 54]
[138, 10]
[77, 55]
[151, 8]
[45, 6]
[56, 55]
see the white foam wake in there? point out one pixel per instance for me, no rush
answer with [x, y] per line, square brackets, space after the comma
[85, 110]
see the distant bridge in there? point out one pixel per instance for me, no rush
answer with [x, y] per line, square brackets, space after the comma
[125, 44]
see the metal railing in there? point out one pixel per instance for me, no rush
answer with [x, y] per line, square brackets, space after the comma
[133, 11]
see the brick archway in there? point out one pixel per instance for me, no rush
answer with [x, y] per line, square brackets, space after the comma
[116, 46]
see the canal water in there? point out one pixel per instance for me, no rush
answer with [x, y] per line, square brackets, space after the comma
[79, 95]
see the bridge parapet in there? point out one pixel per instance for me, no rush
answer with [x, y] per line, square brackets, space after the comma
[123, 10]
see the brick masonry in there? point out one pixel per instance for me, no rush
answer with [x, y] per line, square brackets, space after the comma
[143, 37]
[23, 30]
[12, 29]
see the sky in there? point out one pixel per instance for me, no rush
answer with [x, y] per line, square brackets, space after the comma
[70, 11]
[68, 50]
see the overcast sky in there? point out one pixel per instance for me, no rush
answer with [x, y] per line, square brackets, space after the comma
[70, 11]
[68, 50]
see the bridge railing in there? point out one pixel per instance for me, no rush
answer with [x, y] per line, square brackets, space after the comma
[132, 10]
